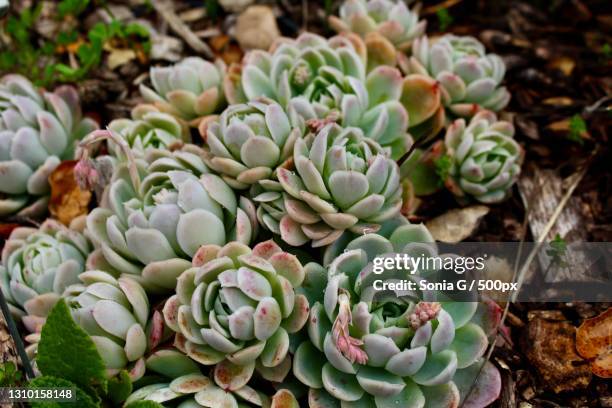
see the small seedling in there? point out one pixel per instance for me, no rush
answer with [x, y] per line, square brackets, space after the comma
[577, 127]
[444, 19]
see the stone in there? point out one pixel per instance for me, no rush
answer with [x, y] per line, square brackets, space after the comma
[256, 28]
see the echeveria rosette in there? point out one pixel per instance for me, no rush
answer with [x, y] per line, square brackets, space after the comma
[342, 181]
[237, 309]
[372, 104]
[249, 141]
[325, 81]
[293, 66]
[37, 131]
[390, 18]
[148, 129]
[364, 349]
[485, 160]
[184, 384]
[151, 227]
[115, 313]
[37, 265]
[469, 78]
[189, 90]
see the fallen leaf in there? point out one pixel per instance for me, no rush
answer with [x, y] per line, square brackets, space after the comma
[218, 42]
[562, 125]
[551, 348]
[118, 57]
[563, 64]
[594, 342]
[67, 200]
[458, 224]
[558, 101]
[225, 48]
[602, 366]
[232, 54]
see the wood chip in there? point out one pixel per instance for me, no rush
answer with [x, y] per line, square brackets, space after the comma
[542, 192]
[551, 348]
[458, 224]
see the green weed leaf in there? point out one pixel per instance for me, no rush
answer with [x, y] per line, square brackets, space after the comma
[66, 351]
[83, 400]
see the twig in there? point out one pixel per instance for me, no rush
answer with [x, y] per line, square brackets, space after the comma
[541, 240]
[12, 327]
[444, 5]
[519, 275]
[305, 15]
[415, 145]
[180, 28]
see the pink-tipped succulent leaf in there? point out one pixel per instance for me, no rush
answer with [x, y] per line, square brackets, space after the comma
[237, 309]
[189, 90]
[156, 216]
[342, 181]
[250, 141]
[37, 131]
[470, 79]
[390, 18]
[414, 354]
[485, 160]
[37, 265]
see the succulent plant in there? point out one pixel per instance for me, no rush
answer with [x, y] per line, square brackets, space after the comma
[343, 181]
[373, 105]
[188, 90]
[391, 18]
[148, 129]
[325, 81]
[38, 264]
[293, 66]
[484, 159]
[185, 384]
[37, 131]
[368, 349]
[469, 77]
[157, 212]
[114, 312]
[237, 307]
[250, 141]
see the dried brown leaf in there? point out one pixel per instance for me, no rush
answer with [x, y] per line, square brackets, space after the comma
[551, 348]
[6, 229]
[594, 342]
[564, 64]
[226, 49]
[67, 200]
[120, 56]
[559, 101]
